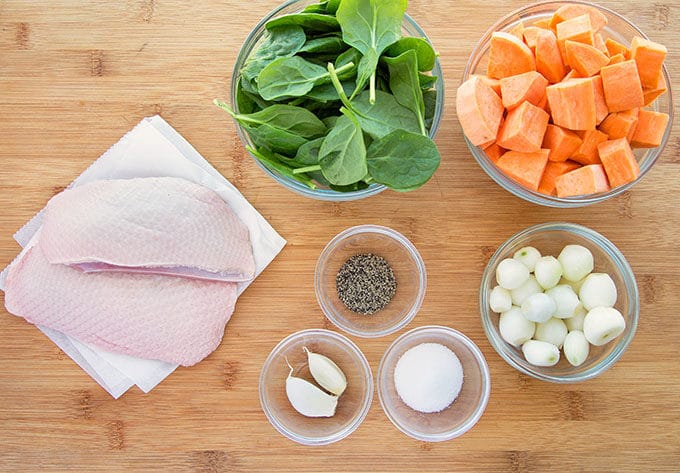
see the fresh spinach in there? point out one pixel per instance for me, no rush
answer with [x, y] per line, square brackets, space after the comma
[342, 156]
[383, 116]
[370, 26]
[430, 99]
[310, 22]
[423, 49]
[324, 45]
[426, 81]
[271, 162]
[292, 77]
[405, 85]
[279, 42]
[316, 8]
[402, 160]
[332, 6]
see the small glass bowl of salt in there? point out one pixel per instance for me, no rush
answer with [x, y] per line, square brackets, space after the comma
[433, 383]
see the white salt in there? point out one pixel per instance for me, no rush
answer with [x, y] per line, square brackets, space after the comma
[428, 377]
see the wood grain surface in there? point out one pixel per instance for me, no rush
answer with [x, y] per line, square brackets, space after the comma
[76, 75]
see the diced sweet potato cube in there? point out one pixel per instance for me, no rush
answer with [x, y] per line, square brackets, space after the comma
[614, 48]
[494, 152]
[650, 129]
[573, 104]
[509, 56]
[587, 152]
[577, 29]
[525, 168]
[479, 110]
[549, 60]
[622, 87]
[601, 109]
[619, 161]
[585, 180]
[566, 12]
[561, 142]
[553, 170]
[585, 59]
[527, 87]
[524, 128]
[649, 57]
[620, 124]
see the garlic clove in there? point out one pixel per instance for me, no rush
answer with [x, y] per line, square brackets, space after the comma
[309, 400]
[326, 373]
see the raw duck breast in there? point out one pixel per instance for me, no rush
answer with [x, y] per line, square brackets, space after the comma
[174, 319]
[159, 225]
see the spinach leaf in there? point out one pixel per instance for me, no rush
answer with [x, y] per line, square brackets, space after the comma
[332, 6]
[310, 22]
[370, 26]
[279, 42]
[342, 156]
[292, 77]
[357, 186]
[330, 121]
[423, 49]
[327, 92]
[405, 85]
[271, 162]
[316, 8]
[430, 99]
[308, 155]
[403, 161]
[274, 139]
[248, 102]
[383, 116]
[326, 45]
[426, 81]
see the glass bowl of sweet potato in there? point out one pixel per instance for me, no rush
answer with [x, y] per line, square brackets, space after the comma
[566, 103]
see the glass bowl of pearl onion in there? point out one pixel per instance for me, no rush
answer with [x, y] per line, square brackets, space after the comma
[559, 302]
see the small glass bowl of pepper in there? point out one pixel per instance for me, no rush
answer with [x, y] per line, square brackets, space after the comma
[370, 281]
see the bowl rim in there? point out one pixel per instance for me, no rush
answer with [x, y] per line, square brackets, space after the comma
[387, 232]
[485, 388]
[630, 283]
[299, 188]
[536, 197]
[341, 434]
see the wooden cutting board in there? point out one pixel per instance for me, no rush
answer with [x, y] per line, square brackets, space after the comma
[76, 75]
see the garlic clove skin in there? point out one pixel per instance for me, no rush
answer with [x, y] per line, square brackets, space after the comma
[309, 400]
[326, 373]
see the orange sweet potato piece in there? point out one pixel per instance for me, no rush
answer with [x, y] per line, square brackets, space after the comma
[601, 109]
[509, 56]
[530, 35]
[479, 110]
[494, 152]
[518, 31]
[619, 161]
[597, 19]
[549, 60]
[616, 58]
[598, 42]
[585, 180]
[562, 143]
[572, 104]
[587, 152]
[495, 84]
[527, 87]
[525, 168]
[651, 95]
[650, 129]
[620, 124]
[577, 29]
[524, 128]
[585, 59]
[572, 74]
[553, 170]
[614, 48]
[543, 23]
[622, 87]
[649, 57]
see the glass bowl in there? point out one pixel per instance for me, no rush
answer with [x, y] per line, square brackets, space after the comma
[353, 404]
[463, 413]
[620, 29]
[549, 239]
[403, 258]
[409, 28]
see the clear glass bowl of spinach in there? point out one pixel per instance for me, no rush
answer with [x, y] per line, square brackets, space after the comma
[337, 121]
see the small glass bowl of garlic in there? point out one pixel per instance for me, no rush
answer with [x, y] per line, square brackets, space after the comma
[316, 387]
[559, 302]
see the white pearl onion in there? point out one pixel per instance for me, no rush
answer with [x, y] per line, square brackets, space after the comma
[548, 271]
[598, 290]
[500, 300]
[515, 328]
[576, 348]
[576, 261]
[511, 274]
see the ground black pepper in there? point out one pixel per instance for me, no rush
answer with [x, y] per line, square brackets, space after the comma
[366, 283]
